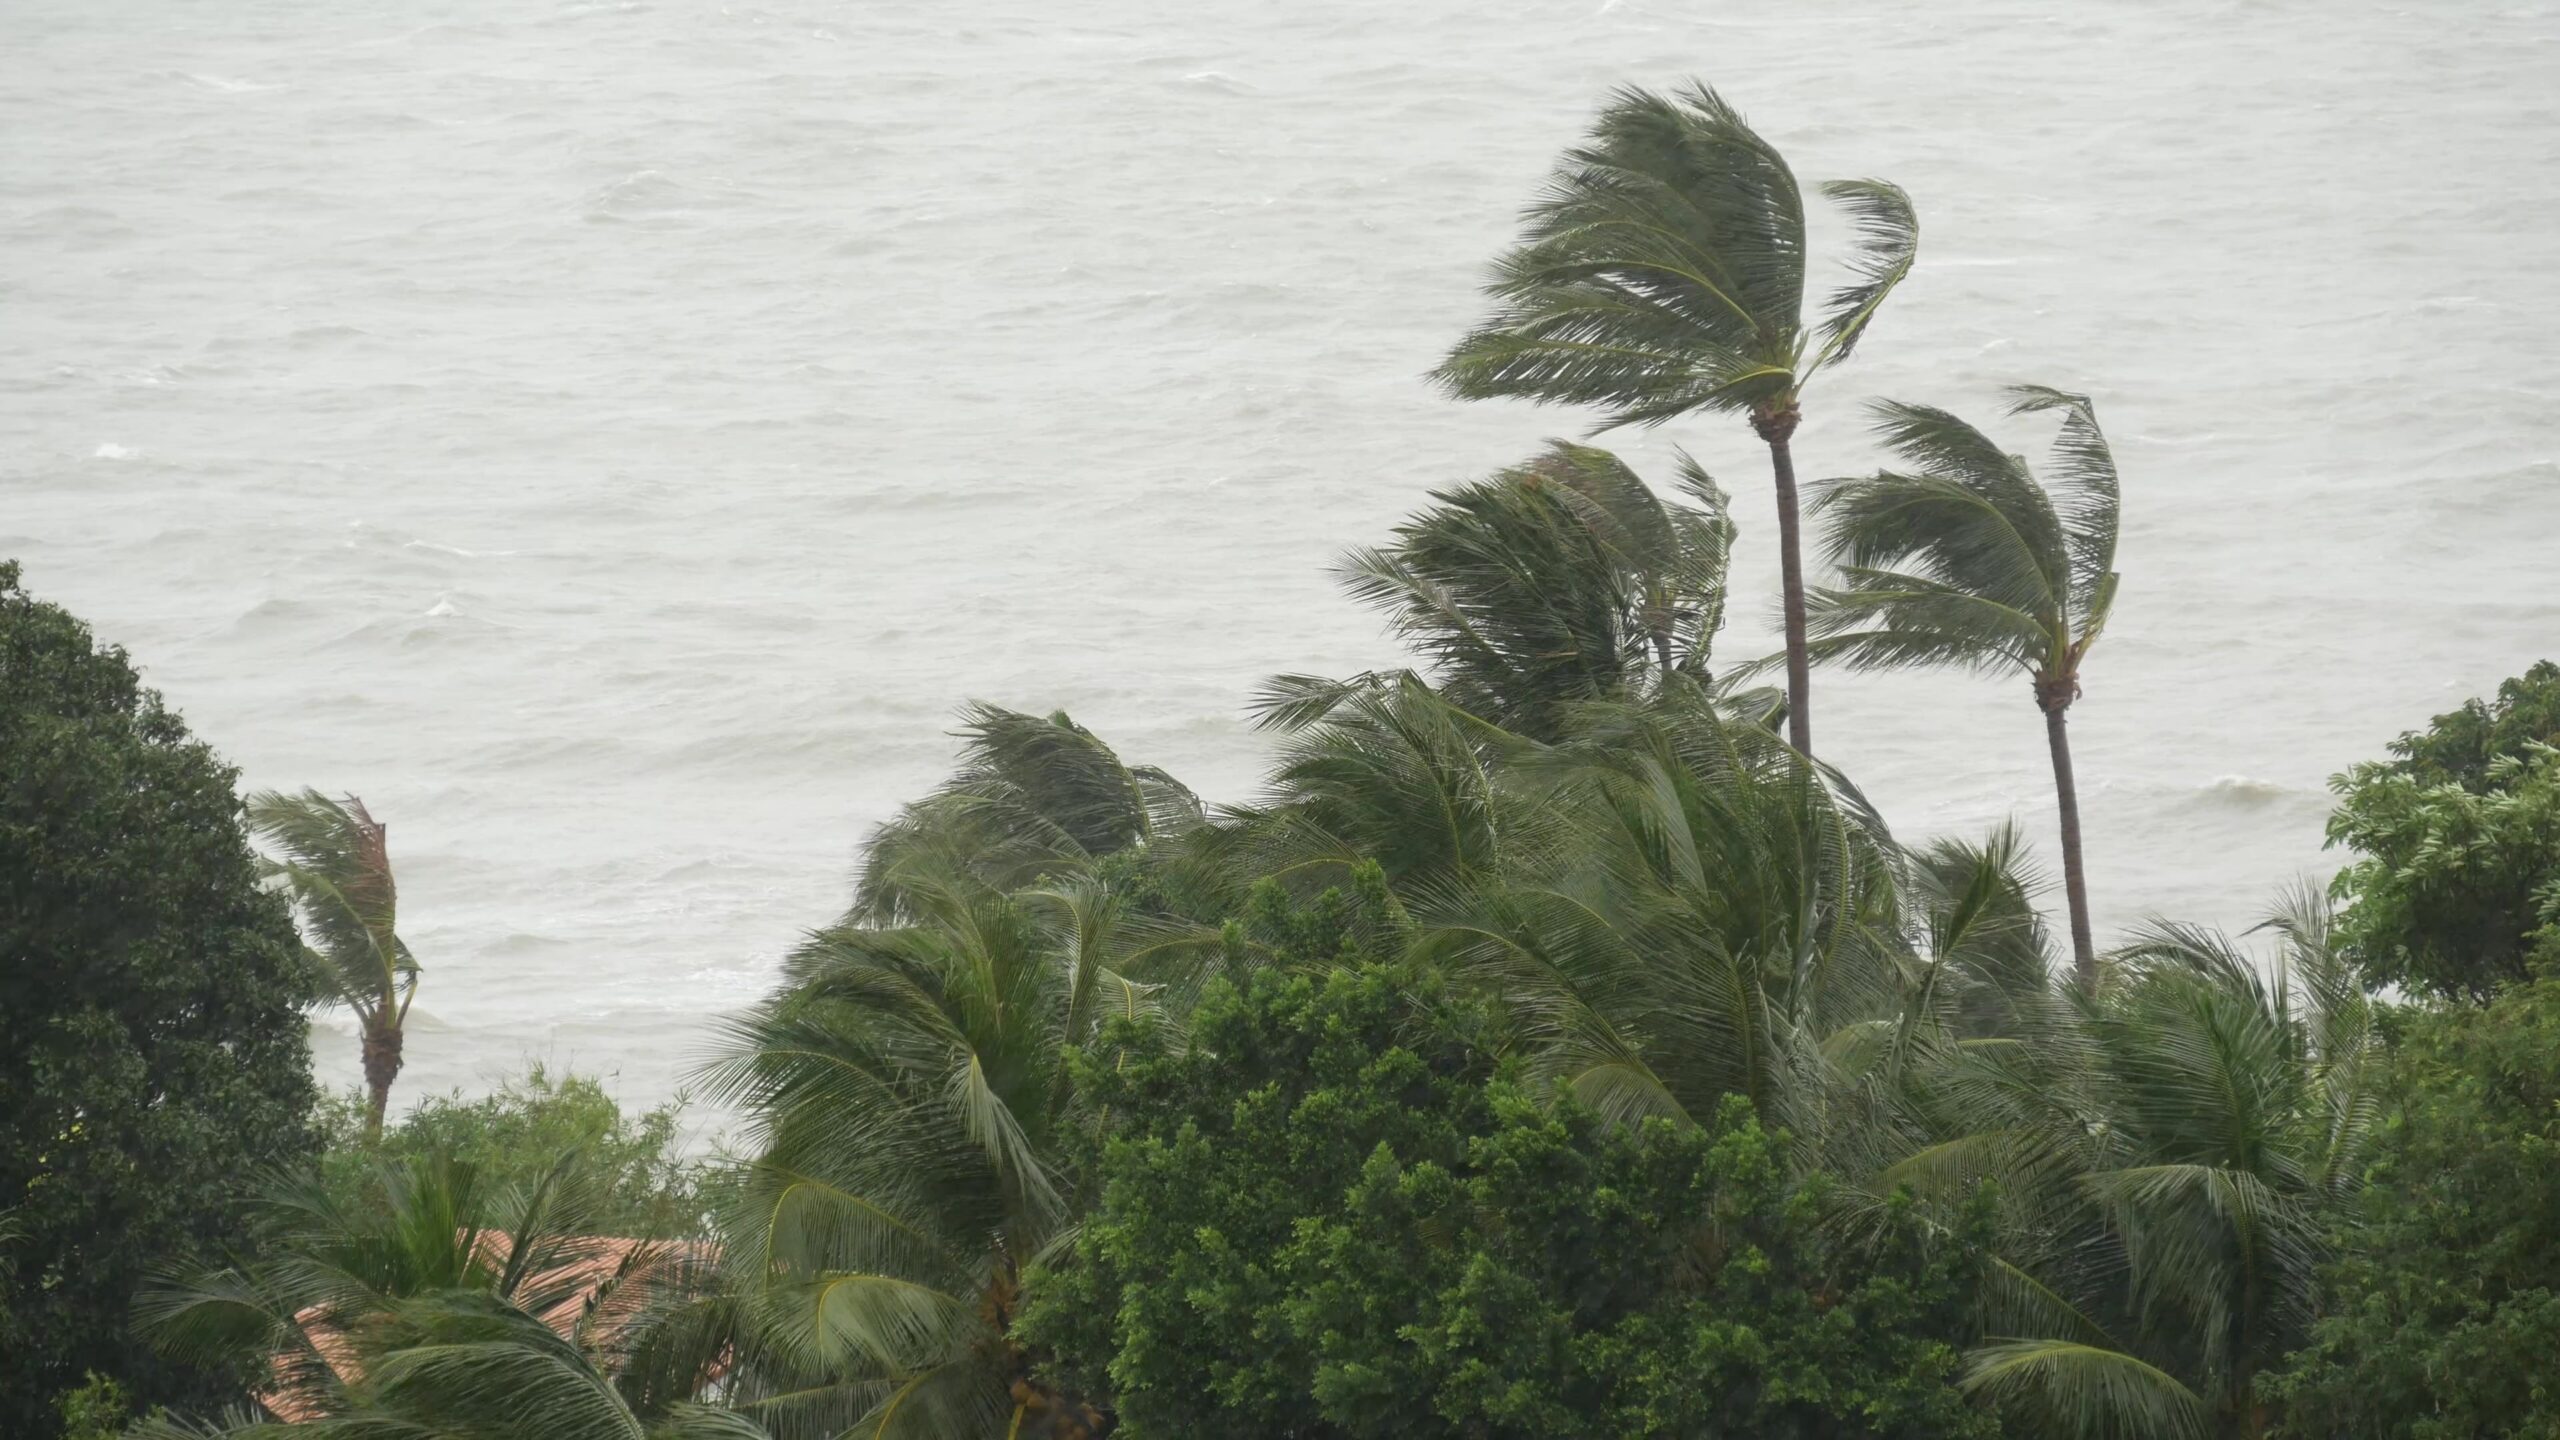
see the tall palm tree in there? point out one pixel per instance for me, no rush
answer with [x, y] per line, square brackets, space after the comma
[1963, 559]
[334, 859]
[1663, 272]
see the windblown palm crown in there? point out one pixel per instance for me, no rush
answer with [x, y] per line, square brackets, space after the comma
[1963, 559]
[1663, 272]
[334, 859]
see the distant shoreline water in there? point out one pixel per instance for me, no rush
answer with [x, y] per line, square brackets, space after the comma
[616, 440]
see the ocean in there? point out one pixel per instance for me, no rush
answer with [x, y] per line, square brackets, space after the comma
[613, 439]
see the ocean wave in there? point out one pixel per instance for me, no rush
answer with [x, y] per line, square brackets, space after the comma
[457, 551]
[1221, 82]
[219, 84]
[2247, 790]
[650, 192]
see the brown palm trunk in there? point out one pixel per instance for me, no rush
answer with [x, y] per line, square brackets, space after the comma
[1778, 427]
[2075, 883]
[381, 1067]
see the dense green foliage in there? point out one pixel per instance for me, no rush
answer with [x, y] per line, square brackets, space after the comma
[445, 1300]
[644, 1183]
[152, 1046]
[1330, 1216]
[2456, 888]
[2443, 1313]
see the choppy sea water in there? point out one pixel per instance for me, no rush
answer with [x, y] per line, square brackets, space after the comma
[612, 438]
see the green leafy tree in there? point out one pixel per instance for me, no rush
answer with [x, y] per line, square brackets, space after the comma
[2455, 888]
[1663, 272]
[152, 1040]
[1963, 559]
[2461, 745]
[1330, 1215]
[644, 1181]
[334, 860]
[2442, 1313]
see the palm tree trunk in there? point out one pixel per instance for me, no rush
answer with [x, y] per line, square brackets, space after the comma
[1777, 429]
[2075, 881]
[381, 1066]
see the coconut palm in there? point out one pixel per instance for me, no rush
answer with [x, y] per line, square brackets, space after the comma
[1663, 272]
[1035, 798]
[910, 1095]
[1963, 559]
[1713, 921]
[1557, 581]
[471, 1365]
[341, 1287]
[334, 860]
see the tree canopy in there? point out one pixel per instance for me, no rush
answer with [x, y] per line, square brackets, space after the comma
[2443, 1311]
[2455, 885]
[153, 1048]
[1330, 1214]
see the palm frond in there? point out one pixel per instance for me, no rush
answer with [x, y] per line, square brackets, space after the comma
[1888, 237]
[2086, 1392]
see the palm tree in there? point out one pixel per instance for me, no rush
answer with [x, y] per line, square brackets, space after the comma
[335, 861]
[1560, 580]
[437, 1294]
[910, 1095]
[1663, 272]
[1964, 560]
[470, 1365]
[2169, 1154]
[1035, 798]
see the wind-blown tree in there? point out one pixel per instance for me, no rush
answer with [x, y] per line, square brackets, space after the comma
[909, 1100]
[2168, 1154]
[1393, 774]
[1964, 560]
[334, 859]
[1035, 798]
[1663, 272]
[1712, 919]
[1561, 580]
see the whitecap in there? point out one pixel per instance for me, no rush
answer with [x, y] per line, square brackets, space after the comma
[444, 606]
[113, 451]
[225, 86]
[2246, 790]
[457, 550]
[1219, 80]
